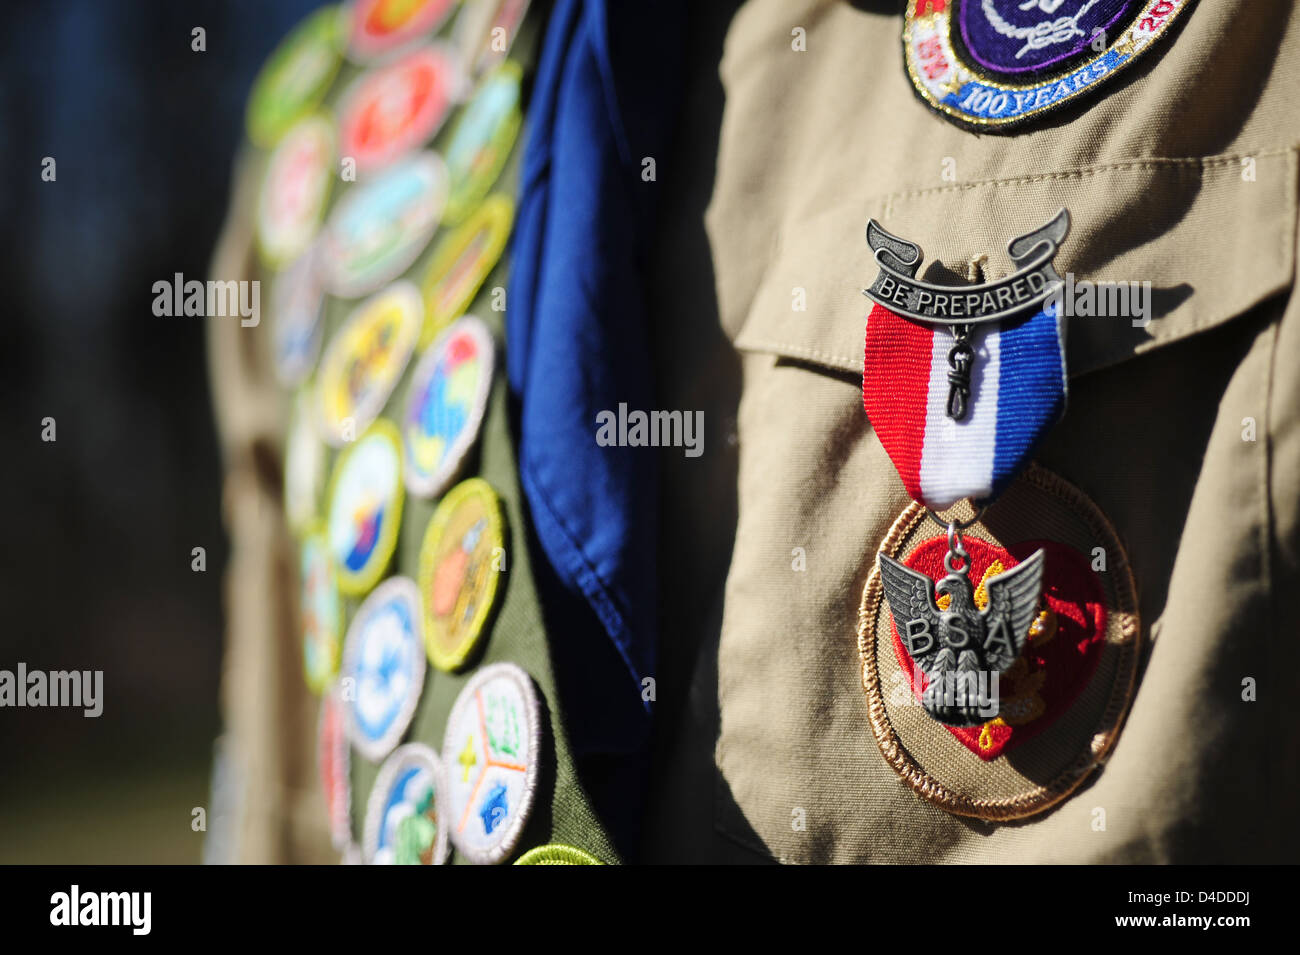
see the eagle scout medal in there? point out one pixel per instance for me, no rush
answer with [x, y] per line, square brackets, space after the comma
[491, 753]
[304, 467]
[996, 64]
[1021, 739]
[380, 28]
[365, 508]
[322, 618]
[392, 109]
[365, 359]
[294, 192]
[449, 392]
[403, 822]
[297, 299]
[485, 30]
[295, 78]
[557, 854]
[462, 261]
[383, 658]
[334, 761]
[379, 228]
[482, 139]
[460, 561]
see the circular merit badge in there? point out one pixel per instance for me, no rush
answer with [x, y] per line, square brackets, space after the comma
[392, 109]
[383, 668]
[491, 754]
[557, 854]
[334, 761]
[403, 822]
[322, 622]
[296, 303]
[462, 261]
[485, 31]
[1028, 735]
[365, 508]
[383, 27]
[365, 359]
[991, 64]
[482, 139]
[461, 558]
[294, 192]
[295, 78]
[304, 467]
[449, 392]
[379, 228]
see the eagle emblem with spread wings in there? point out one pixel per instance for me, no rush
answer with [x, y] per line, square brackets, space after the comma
[960, 649]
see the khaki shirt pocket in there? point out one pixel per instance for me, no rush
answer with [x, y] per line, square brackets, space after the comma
[802, 777]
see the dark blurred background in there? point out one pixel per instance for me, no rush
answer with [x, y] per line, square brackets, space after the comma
[101, 523]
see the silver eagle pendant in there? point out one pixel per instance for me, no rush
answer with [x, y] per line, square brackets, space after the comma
[961, 650]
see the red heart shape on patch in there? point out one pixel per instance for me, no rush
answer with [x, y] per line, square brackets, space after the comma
[1065, 643]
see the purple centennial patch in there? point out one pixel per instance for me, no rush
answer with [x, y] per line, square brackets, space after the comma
[993, 64]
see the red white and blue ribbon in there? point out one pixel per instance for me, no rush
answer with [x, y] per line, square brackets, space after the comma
[1018, 388]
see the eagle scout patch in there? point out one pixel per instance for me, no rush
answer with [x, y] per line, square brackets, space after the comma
[334, 762]
[297, 302]
[1011, 742]
[295, 78]
[380, 227]
[364, 361]
[392, 109]
[557, 854]
[482, 140]
[461, 559]
[365, 508]
[380, 28]
[462, 261]
[383, 664]
[491, 753]
[322, 617]
[403, 822]
[448, 395]
[304, 467]
[294, 191]
[996, 64]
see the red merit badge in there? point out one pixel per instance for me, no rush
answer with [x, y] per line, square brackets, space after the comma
[1064, 646]
[389, 111]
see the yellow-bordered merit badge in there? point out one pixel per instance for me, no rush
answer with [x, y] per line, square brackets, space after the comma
[379, 228]
[365, 508]
[492, 752]
[999, 666]
[444, 410]
[322, 617]
[392, 109]
[383, 657]
[995, 64]
[365, 359]
[403, 823]
[485, 30]
[557, 854]
[334, 762]
[482, 139]
[381, 28]
[294, 191]
[462, 261]
[461, 558]
[294, 80]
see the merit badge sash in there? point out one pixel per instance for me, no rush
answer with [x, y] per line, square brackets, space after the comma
[961, 383]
